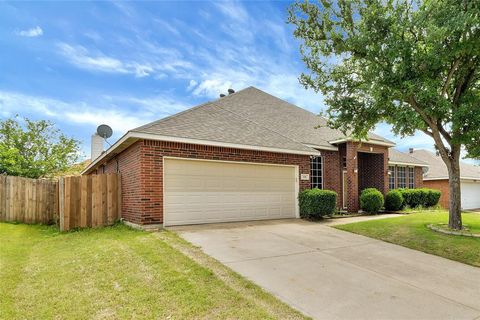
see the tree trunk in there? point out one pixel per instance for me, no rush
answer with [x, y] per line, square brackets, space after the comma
[455, 201]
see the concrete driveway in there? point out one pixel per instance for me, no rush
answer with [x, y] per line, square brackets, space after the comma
[332, 274]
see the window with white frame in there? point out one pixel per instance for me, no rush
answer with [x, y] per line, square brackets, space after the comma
[411, 178]
[391, 177]
[401, 177]
[316, 172]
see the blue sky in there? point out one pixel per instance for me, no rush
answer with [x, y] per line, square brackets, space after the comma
[81, 64]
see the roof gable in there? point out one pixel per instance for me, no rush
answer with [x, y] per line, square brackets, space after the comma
[438, 169]
[225, 119]
[397, 157]
[210, 122]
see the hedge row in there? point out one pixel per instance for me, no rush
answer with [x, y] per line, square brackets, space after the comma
[371, 200]
[316, 203]
[420, 197]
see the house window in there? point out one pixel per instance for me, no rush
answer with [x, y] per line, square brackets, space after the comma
[316, 172]
[411, 178]
[391, 177]
[344, 163]
[401, 177]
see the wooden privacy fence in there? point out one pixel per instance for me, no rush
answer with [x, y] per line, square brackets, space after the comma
[28, 200]
[71, 202]
[89, 201]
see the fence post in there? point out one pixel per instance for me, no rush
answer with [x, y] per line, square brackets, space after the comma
[3, 198]
[61, 203]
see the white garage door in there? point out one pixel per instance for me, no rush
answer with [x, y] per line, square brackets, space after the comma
[470, 195]
[198, 192]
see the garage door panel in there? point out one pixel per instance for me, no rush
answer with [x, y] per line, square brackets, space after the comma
[470, 195]
[208, 191]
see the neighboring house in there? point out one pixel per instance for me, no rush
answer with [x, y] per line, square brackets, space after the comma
[437, 178]
[244, 157]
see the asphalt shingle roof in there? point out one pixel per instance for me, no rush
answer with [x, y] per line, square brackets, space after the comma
[251, 117]
[401, 157]
[438, 169]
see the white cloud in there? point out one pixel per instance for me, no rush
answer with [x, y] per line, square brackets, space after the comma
[80, 57]
[31, 33]
[111, 110]
[232, 10]
[144, 65]
[192, 84]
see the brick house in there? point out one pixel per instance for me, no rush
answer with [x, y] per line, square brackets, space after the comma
[437, 178]
[245, 156]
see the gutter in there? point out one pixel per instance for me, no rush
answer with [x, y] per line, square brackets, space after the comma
[374, 142]
[132, 135]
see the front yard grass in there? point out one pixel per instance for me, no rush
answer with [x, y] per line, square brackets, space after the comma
[411, 231]
[119, 273]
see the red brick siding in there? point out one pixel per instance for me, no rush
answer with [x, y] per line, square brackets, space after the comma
[332, 179]
[370, 168]
[129, 166]
[418, 177]
[381, 171]
[441, 185]
[145, 204]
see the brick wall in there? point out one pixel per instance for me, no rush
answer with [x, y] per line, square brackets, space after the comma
[380, 175]
[332, 179]
[441, 185]
[419, 177]
[128, 164]
[141, 166]
[370, 168]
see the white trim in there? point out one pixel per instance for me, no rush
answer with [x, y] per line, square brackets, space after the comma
[109, 150]
[395, 163]
[446, 178]
[344, 197]
[332, 148]
[156, 137]
[296, 182]
[375, 142]
[322, 172]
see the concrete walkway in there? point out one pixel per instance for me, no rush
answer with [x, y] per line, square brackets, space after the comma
[332, 274]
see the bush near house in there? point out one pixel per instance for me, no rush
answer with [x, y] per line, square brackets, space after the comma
[316, 203]
[420, 197]
[371, 200]
[394, 200]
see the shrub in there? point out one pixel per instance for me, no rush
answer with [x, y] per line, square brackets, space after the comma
[394, 200]
[420, 197]
[371, 200]
[433, 196]
[315, 203]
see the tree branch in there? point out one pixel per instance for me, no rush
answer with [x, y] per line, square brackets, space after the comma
[444, 132]
[449, 76]
[428, 120]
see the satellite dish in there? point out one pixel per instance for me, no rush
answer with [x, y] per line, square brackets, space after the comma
[104, 131]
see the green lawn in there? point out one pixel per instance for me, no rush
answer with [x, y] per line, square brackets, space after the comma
[410, 231]
[118, 272]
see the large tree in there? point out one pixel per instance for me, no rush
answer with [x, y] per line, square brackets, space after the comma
[413, 64]
[35, 149]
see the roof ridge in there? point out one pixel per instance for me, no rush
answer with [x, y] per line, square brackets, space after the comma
[150, 124]
[262, 126]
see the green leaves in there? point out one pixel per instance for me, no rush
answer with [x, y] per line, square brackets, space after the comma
[35, 149]
[412, 64]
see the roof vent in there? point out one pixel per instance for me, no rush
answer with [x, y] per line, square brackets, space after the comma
[222, 95]
[230, 91]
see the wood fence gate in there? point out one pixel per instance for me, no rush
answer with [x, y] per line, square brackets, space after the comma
[70, 202]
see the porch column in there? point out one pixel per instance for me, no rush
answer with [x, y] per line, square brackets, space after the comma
[352, 176]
